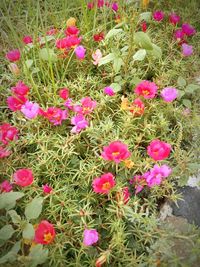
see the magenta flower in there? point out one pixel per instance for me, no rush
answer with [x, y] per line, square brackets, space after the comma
[5, 186]
[146, 89]
[115, 6]
[55, 115]
[90, 237]
[116, 151]
[30, 110]
[188, 29]
[69, 103]
[169, 94]
[174, 18]
[109, 91]
[139, 182]
[179, 34]
[20, 89]
[158, 150]
[157, 174]
[80, 52]
[13, 55]
[90, 5]
[88, 105]
[15, 102]
[104, 183]
[4, 152]
[187, 50]
[27, 39]
[80, 123]
[158, 15]
[47, 189]
[8, 133]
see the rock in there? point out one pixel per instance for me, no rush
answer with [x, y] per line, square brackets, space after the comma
[189, 206]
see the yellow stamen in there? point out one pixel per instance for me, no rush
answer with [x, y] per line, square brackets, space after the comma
[106, 186]
[48, 237]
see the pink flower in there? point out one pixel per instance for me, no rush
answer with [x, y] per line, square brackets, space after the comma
[14, 69]
[5, 186]
[30, 110]
[139, 183]
[4, 152]
[146, 89]
[47, 189]
[20, 89]
[158, 150]
[179, 35]
[116, 151]
[97, 55]
[187, 50]
[156, 175]
[8, 133]
[80, 123]
[158, 15]
[104, 183]
[169, 94]
[13, 55]
[90, 5]
[15, 102]
[64, 93]
[174, 18]
[80, 52]
[115, 6]
[188, 29]
[88, 105]
[100, 3]
[69, 104]
[55, 115]
[90, 237]
[52, 31]
[23, 177]
[109, 91]
[27, 39]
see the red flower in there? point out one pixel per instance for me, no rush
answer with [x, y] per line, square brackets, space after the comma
[137, 107]
[8, 133]
[146, 89]
[64, 93]
[20, 89]
[144, 26]
[54, 115]
[27, 39]
[158, 150]
[13, 55]
[71, 30]
[123, 195]
[98, 37]
[23, 177]
[104, 183]
[44, 233]
[15, 102]
[116, 151]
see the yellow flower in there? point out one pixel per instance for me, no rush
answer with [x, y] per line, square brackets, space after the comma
[145, 3]
[129, 163]
[124, 104]
[71, 22]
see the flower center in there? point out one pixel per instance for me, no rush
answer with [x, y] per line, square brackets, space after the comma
[115, 154]
[106, 186]
[145, 92]
[48, 237]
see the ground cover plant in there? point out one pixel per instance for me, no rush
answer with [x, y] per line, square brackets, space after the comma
[99, 126]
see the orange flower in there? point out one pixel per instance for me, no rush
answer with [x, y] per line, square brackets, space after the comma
[71, 22]
[129, 163]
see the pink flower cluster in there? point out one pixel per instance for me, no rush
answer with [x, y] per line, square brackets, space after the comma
[153, 177]
[101, 3]
[8, 134]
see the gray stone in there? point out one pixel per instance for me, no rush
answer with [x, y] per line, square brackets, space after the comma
[189, 206]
